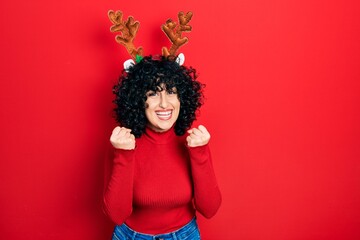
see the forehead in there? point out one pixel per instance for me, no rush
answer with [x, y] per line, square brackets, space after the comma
[160, 83]
[162, 87]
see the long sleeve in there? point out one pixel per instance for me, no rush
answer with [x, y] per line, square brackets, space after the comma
[207, 196]
[118, 195]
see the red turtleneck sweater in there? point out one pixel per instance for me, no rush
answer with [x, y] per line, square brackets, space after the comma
[157, 187]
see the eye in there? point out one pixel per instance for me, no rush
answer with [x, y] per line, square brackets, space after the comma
[172, 91]
[152, 94]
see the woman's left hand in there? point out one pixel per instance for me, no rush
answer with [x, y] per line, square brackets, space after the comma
[198, 137]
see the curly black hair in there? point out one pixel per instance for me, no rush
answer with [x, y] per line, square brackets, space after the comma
[149, 75]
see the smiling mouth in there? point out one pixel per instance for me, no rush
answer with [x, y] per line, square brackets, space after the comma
[164, 115]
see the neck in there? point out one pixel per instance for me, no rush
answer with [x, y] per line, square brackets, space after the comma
[160, 137]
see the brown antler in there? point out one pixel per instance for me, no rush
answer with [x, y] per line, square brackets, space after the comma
[128, 30]
[173, 32]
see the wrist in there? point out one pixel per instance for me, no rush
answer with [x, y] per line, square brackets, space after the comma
[199, 154]
[123, 156]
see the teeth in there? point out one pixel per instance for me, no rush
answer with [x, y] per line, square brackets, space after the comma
[163, 113]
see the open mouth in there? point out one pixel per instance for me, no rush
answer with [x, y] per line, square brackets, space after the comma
[164, 115]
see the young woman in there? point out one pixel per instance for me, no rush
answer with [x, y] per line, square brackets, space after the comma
[162, 170]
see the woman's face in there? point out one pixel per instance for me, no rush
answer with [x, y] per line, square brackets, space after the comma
[162, 109]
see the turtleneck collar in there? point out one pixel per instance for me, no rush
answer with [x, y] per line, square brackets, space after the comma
[160, 137]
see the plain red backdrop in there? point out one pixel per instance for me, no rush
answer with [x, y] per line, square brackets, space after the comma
[283, 94]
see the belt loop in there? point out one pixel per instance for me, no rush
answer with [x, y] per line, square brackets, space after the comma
[134, 236]
[174, 236]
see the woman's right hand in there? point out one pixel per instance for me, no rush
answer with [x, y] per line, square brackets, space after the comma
[121, 138]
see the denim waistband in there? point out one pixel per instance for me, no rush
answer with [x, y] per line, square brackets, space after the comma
[178, 234]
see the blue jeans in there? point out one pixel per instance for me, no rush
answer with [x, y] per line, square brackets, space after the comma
[188, 232]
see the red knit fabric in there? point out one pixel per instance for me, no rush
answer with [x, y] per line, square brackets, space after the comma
[158, 187]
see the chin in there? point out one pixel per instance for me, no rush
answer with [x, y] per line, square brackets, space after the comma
[163, 127]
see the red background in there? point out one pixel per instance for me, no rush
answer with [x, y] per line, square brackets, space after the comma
[283, 94]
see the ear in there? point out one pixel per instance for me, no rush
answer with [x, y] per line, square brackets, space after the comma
[180, 59]
[128, 63]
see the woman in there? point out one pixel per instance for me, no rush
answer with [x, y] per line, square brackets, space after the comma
[161, 176]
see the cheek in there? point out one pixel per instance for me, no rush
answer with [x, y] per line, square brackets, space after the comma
[150, 105]
[177, 103]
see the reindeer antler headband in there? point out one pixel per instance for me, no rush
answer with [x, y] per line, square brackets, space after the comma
[129, 28]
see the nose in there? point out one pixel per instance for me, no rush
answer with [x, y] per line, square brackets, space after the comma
[163, 99]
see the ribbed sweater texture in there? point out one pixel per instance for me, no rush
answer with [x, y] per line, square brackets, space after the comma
[160, 185]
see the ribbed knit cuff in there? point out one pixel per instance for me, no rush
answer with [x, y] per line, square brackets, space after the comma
[123, 156]
[200, 154]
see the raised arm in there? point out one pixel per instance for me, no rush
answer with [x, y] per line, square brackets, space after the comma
[119, 191]
[207, 196]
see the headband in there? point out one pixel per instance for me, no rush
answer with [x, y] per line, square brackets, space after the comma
[129, 28]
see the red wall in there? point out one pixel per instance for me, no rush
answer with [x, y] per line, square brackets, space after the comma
[283, 84]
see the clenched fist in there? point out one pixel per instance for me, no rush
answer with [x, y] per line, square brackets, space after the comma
[198, 136]
[121, 138]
